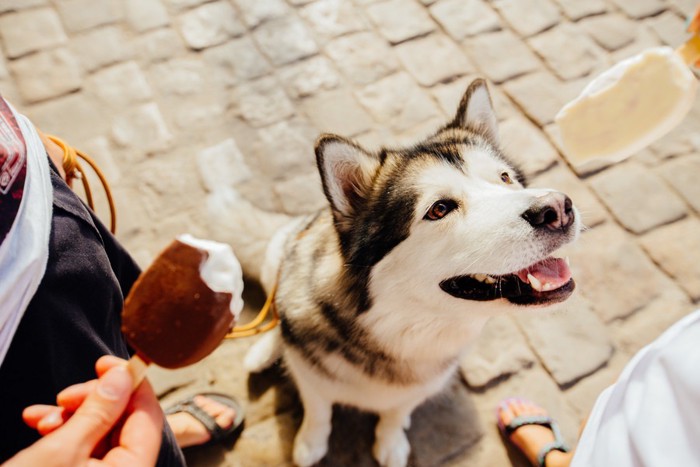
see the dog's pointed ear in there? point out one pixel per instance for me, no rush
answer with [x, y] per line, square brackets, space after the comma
[346, 171]
[476, 111]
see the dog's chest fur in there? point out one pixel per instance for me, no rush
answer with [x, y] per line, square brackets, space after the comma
[322, 323]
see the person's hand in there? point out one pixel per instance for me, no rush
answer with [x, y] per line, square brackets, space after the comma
[97, 423]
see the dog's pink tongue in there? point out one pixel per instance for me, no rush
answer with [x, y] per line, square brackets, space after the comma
[552, 271]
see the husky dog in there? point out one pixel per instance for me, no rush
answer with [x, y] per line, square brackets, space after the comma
[380, 294]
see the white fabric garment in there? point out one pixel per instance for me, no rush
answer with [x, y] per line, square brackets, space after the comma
[25, 250]
[651, 416]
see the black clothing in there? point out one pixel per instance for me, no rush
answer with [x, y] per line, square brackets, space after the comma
[73, 319]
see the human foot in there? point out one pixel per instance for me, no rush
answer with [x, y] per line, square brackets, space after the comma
[529, 427]
[204, 418]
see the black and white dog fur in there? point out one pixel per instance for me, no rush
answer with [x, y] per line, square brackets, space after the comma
[380, 294]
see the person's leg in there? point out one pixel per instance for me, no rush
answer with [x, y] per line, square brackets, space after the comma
[531, 438]
[190, 432]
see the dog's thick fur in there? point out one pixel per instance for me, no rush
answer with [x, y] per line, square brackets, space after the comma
[380, 294]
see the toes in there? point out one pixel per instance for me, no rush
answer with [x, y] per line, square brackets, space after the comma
[223, 414]
[507, 411]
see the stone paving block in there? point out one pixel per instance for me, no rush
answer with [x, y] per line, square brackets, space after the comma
[682, 175]
[679, 141]
[261, 102]
[638, 330]
[561, 178]
[285, 150]
[444, 428]
[669, 27]
[583, 395]
[463, 19]
[489, 360]
[99, 47]
[400, 20]
[210, 24]
[528, 17]
[640, 8]
[4, 72]
[158, 45]
[363, 57]
[285, 40]
[142, 15]
[433, 59]
[637, 197]
[308, 77]
[337, 112]
[645, 38]
[418, 132]
[501, 55]
[571, 343]
[201, 115]
[333, 18]
[142, 127]
[46, 74]
[611, 31]
[580, 56]
[613, 273]
[540, 95]
[80, 15]
[179, 76]
[99, 150]
[576, 9]
[527, 146]
[685, 7]
[16, 5]
[28, 31]
[121, 85]
[235, 61]
[256, 12]
[676, 249]
[301, 194]
[398, 101]
[86, 117]
[222, 166]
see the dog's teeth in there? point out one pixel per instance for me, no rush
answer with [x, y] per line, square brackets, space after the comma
[547, 287]
[484, 278]
[534, 282]
[568, 263]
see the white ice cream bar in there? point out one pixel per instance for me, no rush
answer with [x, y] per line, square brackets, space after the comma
[627, 108]
[221, 271]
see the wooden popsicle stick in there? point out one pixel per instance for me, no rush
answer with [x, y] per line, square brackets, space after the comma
[137, 366]
[690, 50]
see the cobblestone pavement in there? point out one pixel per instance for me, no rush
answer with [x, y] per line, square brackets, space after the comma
[181, 101]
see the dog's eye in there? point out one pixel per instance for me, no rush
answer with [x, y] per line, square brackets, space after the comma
[440, 209]
[505, 178]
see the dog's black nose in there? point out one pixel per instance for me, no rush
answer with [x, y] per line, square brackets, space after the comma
[553, 211]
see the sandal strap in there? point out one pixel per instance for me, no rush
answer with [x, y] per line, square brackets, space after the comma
[530, 420]
[200, 415]
[547, 448]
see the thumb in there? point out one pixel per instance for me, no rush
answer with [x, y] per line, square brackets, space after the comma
[101, 410]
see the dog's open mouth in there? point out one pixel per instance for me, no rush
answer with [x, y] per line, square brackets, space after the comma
[545, 282]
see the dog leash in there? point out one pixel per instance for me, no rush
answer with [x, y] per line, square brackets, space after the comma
[258, 325]
[75, 171]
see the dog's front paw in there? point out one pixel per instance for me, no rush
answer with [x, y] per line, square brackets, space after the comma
[392, 450]
[309, 449]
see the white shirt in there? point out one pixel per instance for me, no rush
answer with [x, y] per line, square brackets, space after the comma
[651, 415]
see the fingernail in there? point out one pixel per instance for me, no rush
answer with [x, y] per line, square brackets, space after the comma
[51, 420]
[114, 384]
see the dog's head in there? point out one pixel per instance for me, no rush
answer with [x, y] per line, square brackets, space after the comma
[449, 220]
